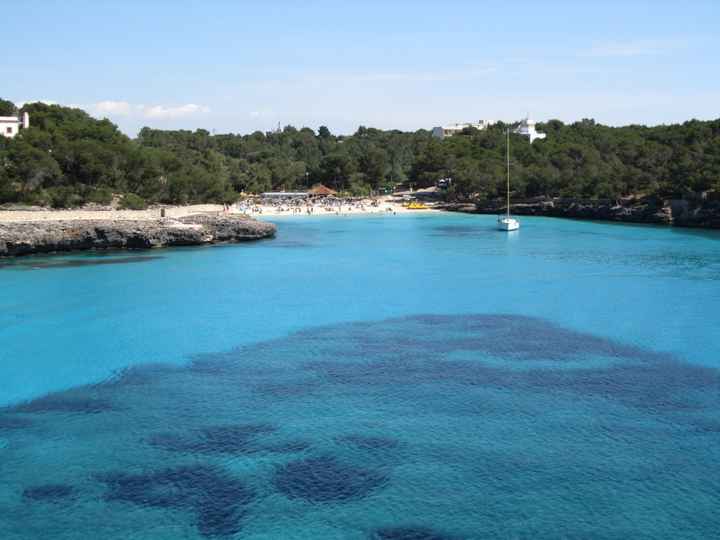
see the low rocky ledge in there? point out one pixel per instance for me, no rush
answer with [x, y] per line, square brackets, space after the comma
[701, 212]
[29, 237]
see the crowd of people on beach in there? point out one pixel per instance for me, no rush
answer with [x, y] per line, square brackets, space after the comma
[310, 206]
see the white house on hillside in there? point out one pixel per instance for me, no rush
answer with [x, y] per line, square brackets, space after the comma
[11, 125]
[441, 132]
[527, 128]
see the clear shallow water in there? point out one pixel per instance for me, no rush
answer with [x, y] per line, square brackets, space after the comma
[408, 377]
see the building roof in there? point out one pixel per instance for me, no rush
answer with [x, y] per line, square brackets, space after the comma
[319, 189]
[464, 125]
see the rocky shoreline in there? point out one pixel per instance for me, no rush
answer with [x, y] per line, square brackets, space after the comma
[33, 237]
[700, 212]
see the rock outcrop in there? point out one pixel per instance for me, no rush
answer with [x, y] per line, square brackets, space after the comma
[696, 212]
[25, 238]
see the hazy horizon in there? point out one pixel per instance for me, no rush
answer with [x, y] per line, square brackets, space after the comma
[407, 66]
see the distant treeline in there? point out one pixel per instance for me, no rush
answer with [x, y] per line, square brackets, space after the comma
[67, 158]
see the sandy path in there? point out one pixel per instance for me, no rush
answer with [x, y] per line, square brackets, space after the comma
[9, 216]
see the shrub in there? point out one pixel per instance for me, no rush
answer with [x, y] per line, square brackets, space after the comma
[100, 195]
[64, 197]
[130, 201]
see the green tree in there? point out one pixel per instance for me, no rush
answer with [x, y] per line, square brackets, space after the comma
[7, 108]
[67, 157]
[335, 170]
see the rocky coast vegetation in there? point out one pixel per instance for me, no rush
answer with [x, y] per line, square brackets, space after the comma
[702, 211]
[661, 174]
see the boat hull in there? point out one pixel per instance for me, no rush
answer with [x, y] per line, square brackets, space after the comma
[508, 224]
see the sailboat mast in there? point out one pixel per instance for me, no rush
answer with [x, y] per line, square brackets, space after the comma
[507, 133]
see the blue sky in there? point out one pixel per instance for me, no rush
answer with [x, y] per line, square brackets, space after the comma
[242, 66]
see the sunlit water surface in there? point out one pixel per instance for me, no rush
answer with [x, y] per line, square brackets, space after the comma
[420, 377]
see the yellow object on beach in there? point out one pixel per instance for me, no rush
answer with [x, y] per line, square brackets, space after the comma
[417, 206]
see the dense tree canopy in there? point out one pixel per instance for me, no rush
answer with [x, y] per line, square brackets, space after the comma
[7, 108]
[68, 158]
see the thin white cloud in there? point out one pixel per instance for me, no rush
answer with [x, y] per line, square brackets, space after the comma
[378, 78]
[632, 48]
[427, 76]
[261, 113]
[119, 108]
[162, 112]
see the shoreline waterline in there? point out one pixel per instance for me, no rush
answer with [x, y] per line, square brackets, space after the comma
[383, 206]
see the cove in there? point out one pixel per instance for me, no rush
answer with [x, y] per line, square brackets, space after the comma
[564, 380]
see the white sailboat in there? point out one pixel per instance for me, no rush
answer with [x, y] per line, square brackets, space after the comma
[507, 222]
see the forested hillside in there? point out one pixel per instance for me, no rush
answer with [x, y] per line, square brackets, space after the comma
[68, 158]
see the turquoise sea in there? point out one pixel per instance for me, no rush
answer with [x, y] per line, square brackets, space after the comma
[410, 377]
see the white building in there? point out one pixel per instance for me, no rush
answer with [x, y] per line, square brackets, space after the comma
[527, 128]
[11, 125]
[441, 132]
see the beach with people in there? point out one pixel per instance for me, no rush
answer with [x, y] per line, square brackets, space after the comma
[327, 206]
[251, 206]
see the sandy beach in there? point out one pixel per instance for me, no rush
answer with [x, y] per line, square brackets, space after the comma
[384, 207]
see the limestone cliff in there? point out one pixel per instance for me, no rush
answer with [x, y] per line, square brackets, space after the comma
[25, 238]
